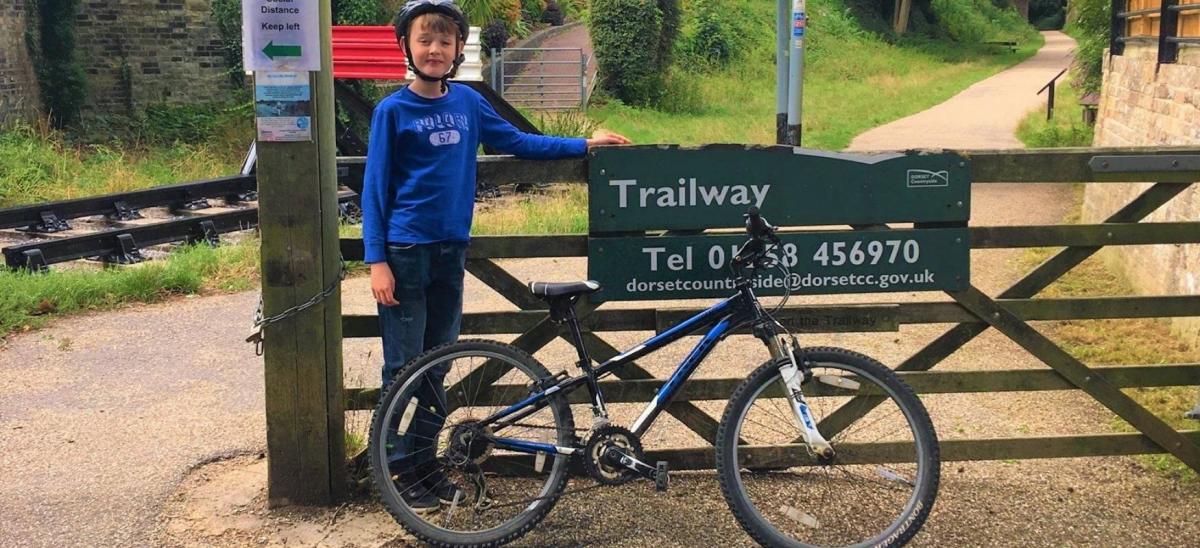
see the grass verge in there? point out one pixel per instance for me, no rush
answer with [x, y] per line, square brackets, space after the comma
[1065, 129]
[28, 301]
[41, 165]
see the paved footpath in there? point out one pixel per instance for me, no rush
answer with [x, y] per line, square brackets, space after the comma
[982, 116]
[103, 416]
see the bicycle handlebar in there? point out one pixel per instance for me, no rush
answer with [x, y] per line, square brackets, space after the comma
[754, 251]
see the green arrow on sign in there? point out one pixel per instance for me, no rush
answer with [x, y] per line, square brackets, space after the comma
[274, 51]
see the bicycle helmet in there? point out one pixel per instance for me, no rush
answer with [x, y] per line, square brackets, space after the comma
[416, 8]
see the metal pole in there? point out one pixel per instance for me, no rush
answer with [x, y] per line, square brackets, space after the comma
[782, 10]
[495, 59]
[1050, 102]
[583, 61]
[796, 73]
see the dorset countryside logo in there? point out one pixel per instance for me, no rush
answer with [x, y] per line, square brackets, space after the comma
[923, 178]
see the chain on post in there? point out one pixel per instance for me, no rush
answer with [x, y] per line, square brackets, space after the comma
[260, 322]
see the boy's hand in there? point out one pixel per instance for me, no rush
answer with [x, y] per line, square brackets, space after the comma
[383, 284]
[605, 137]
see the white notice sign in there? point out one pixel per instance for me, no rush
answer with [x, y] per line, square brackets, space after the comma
[280, 35]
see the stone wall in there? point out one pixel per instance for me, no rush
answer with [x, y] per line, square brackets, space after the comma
[18, 81]
[138, 53]
[1145, 105]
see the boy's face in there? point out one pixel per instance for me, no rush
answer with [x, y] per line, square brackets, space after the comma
[433, 46]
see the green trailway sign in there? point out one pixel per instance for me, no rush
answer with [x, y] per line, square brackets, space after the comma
[671, 187]
[814, 262]
[687, 191]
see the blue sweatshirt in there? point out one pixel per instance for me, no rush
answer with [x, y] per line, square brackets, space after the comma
[419, 185]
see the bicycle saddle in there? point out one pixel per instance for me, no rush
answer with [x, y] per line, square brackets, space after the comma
[565, 289]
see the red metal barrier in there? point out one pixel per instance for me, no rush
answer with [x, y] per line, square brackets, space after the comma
[367, 52]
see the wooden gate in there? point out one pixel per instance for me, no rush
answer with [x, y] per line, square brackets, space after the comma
[1172, 170]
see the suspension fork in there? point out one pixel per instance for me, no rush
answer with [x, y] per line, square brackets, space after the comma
[794, 370]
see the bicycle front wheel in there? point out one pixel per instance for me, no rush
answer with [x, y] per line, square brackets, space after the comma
[877, 489]
[444, 473]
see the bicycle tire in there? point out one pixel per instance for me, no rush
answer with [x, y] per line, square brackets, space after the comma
[829, 528]
[389, 492]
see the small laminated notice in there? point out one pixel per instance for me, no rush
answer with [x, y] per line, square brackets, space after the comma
[539, 462]
[800, 517]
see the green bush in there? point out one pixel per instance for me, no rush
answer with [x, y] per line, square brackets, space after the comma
[1088, 23]
[227, 15]
[713, 40]
[621, 30]
[359, 12]
[480, 12]
[531, 10]
[975, 21]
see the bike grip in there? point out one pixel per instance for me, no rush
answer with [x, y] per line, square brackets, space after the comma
[754, 222]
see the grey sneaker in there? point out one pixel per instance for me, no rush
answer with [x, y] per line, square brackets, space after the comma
[1194, 413]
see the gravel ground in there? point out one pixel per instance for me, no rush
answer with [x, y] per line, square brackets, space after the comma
[107, 421]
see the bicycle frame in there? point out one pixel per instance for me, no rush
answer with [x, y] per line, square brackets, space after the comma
[721, 318]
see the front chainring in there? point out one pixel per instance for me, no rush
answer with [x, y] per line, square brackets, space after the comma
[599, 443]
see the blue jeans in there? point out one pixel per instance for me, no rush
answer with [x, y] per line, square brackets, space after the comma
[429, 288]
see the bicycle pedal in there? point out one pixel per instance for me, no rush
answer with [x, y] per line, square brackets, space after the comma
[661, 478]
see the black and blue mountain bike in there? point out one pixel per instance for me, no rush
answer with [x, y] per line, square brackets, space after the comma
[817, 447]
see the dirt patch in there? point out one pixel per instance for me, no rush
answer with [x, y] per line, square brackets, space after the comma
[224, 503]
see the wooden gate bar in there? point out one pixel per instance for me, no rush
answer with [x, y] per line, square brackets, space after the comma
[1080, 375]
[1044, 447]
[987, 237]
[923, 382]
[796, 317]
[490, 273]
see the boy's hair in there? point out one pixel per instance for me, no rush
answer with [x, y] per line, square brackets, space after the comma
[434, 22]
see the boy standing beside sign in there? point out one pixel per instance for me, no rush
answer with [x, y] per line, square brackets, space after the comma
[418, 200]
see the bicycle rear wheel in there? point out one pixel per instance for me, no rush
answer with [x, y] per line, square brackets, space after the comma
[877, 490]
[426, 445]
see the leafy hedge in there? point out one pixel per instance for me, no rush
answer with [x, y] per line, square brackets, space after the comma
[1088, 23]
[623, 34]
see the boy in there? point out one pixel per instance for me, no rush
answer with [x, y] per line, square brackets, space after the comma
[418, 200]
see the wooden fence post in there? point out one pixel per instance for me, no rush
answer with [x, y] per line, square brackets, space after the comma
[298, 221]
